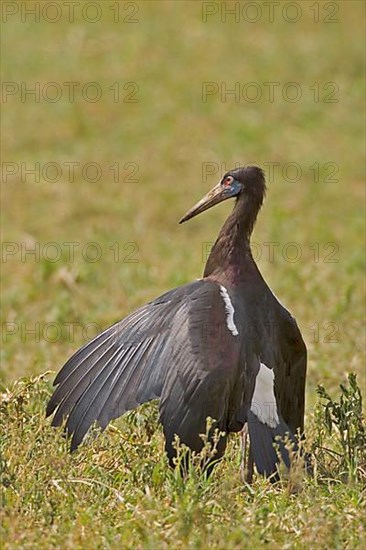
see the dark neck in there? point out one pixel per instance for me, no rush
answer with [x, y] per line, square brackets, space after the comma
[231, 252]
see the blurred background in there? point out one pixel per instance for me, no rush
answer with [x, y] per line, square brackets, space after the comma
[119, 116]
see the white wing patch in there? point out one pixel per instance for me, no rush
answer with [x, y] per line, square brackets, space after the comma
[229, 310]
[264, 404]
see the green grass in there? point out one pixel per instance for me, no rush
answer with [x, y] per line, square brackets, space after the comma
[119, 492]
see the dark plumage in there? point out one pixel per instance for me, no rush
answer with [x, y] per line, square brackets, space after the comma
[222, 346]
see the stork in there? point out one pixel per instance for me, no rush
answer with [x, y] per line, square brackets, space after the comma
[222, 347]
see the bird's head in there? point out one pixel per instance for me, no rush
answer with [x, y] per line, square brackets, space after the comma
[247, 181]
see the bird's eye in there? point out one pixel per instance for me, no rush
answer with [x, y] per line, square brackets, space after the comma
[228, 181]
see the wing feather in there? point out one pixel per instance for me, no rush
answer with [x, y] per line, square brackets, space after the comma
[95, 398]
[68, 393]
[159, 351]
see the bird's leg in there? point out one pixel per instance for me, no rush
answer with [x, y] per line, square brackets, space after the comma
[246, 465]
[243, 447]
[249, 471]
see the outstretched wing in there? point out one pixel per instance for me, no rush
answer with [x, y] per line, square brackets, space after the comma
[179, 348]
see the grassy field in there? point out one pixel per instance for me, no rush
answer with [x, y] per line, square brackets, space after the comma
[132, 119]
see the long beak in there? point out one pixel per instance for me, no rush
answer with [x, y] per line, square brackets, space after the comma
[216, 195]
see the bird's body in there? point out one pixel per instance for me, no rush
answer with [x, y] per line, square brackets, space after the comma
[220, 347]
